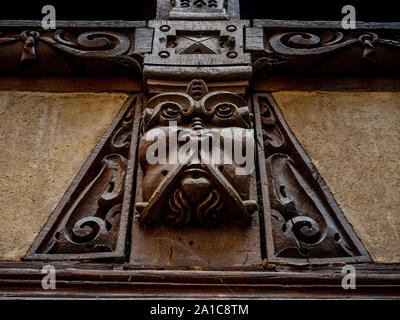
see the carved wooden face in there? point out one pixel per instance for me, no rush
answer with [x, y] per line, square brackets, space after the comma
[208, 179]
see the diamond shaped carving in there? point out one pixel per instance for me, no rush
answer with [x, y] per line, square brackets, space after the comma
[195, 44]
[191, 49]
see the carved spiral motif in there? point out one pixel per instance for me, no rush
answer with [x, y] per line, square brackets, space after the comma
[171, 111]
[302, 40]
[369, 37]
[224, 111]
[305, 43]
[87, 229]
[121, 139]
[92, 229]
[305, 229]
[274, 140]
[93, 43]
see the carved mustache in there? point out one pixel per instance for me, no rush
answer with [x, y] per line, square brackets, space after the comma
[209, 204]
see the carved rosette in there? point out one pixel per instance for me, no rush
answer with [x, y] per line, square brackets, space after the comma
[90, 221]
[305, 221]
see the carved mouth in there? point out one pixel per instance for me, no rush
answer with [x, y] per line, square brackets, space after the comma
[195, 171]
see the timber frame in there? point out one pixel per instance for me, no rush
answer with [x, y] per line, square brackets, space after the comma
[259, 57]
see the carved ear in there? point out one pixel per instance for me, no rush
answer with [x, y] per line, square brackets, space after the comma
[197, 89]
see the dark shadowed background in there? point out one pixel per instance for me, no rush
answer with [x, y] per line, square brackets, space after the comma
[382, 10]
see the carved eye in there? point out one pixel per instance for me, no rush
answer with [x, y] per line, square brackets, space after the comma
[224, 111]
[171, 111]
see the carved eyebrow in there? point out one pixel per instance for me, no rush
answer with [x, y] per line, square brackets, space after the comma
[214, 98]
[179, 98]
[156, 113]
[237, 114]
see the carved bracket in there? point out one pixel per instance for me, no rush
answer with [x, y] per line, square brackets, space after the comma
[176, 192]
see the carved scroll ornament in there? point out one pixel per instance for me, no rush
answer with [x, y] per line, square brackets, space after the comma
[95, 45]
[318, 50]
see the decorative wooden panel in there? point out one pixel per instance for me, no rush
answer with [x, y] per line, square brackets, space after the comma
[195, 215]
[187, 50]
[91, 220]
[303, 223]
[72, 50]
[322, 48]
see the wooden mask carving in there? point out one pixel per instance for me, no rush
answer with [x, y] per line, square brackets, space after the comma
[180, 189]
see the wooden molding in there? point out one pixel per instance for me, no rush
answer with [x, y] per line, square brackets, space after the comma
[373, 282]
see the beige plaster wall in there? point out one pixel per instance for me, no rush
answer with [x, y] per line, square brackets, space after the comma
[353, 140]
[44, 140]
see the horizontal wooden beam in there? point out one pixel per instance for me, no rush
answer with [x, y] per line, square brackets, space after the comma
[143, 284]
